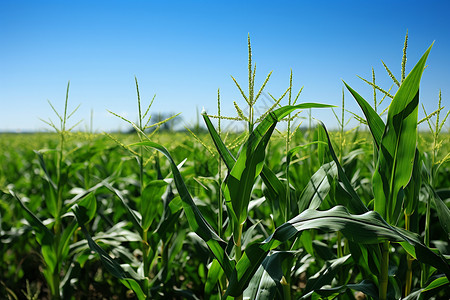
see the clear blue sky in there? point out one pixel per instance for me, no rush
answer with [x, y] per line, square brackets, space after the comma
[183, 51]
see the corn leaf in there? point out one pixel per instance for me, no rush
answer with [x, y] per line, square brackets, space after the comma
[44, 236]
[438, 282]
[327, 273]
[318, 187]
[375, 123]
[110, 264]
[412, 190]
[214, 273]
[397, 148]
[365, 286]
[196, 220]
[354, 203]
[265, 284]
[368, 228]
[249, 164]
[151, 200]
[442, 211]
[275, 189]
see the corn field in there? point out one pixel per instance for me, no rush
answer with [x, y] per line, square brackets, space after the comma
[270, 212]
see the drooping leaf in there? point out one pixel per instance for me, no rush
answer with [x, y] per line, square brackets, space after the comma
[368, 228]
[366, 287]
[196, 221]
[438, 282]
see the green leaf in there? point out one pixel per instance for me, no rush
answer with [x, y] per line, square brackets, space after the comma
[368, 228]
[44, 237]
[327, 273]
[214, 273]
[249, 164]
[412, 190]
[317, 188]
[366, 287]
[436, 283]
[134, 215]
[398, 145]
[196, 221]
[89, 205]
[354, 203]
[265, 284]
[151, 201]
[442, 211]
[226, 155]
[110, 264]
[64, 242]
[375, 123]
[310, 190]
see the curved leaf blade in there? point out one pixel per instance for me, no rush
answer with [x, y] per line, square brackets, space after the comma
[397, 148]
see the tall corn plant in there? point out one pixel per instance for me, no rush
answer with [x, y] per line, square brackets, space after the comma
[54, 235]
[395, 149]
[154, 217]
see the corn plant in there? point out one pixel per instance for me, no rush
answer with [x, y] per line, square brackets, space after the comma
[396, 148]
[55, 238]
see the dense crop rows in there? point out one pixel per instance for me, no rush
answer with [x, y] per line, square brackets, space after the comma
[265, 214]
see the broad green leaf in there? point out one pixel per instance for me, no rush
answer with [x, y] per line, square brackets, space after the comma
[265, 284]
[368, 228]
[274, 191]
[196, 221]
[398, 146]
[249, 164]
[375, 123]
[170, 217]
[151, 201]
[64, 242]
[51, 189]
[317, 188]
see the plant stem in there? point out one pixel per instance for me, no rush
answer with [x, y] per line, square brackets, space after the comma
[425, 268]
[219, 161]
[384, 275]
[239, 253]
[286, 288]
[409, 260]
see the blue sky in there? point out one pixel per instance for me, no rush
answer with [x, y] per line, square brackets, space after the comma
[183, 51]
